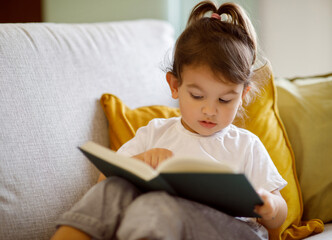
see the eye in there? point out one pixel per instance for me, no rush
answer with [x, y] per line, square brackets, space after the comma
[194, 96]
[223, 101]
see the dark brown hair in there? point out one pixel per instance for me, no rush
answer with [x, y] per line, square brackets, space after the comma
[226, 45]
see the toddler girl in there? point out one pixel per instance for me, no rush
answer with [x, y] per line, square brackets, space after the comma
[211, 77]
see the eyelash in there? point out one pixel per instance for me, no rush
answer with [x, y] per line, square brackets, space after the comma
[224, 101]
[200, 97]
[196, 96]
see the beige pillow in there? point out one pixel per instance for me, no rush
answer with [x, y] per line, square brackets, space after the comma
[305, 107]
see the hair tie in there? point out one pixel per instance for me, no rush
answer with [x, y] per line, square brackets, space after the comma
[216, 16]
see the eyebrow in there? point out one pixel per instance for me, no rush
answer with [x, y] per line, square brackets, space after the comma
[193, 85]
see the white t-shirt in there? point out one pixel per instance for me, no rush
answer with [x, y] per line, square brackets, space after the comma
[237, 147]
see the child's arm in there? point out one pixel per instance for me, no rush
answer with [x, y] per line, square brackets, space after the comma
[274, 210]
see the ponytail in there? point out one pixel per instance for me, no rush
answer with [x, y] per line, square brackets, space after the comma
[225, 42]
[200, 10]
[230, 13]
[240, 18]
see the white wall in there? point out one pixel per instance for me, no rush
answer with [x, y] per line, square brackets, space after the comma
[76, 11]
[296, 35]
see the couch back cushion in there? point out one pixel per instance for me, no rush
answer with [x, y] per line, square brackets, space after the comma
[51, 78]
[306, 109]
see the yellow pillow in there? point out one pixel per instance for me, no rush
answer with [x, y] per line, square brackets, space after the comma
[263, 120]
[123, 122]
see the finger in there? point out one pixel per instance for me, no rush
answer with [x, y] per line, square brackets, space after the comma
[162, 157]
[147, 159]
[154, 161]
[265, 212]
[169, 154]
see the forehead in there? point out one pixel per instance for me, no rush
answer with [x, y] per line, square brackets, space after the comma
[203, 78]
[203, 71]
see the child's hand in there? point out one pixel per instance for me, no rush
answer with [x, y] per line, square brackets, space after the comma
[269, 209]
[274, 209]
[154, 156]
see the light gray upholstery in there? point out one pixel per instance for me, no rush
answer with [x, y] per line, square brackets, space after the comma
[51, 79]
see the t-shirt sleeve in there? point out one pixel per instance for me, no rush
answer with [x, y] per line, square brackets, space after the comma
[260, 168]
[137, 144]
[146, 137]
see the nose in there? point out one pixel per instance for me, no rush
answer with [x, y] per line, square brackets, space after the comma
[209, 109]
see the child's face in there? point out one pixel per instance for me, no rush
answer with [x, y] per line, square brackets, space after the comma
[207, 105]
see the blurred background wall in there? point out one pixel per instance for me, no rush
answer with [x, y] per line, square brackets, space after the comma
[295, 35]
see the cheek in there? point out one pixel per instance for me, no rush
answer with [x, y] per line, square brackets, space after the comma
[189, 109]
[236, 104]
[186, 101]
[229, 111]
[187, 106]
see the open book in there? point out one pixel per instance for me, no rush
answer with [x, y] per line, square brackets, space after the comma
[203, 181]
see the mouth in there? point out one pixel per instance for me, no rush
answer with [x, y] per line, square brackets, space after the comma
[207, 124]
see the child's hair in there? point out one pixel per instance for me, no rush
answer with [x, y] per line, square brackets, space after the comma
[225, 42]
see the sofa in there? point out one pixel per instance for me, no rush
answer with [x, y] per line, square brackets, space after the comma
[52, 77]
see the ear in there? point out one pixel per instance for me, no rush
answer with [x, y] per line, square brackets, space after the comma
[245, 91]
[173, 84]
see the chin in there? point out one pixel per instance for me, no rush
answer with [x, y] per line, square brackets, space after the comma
[206, 133]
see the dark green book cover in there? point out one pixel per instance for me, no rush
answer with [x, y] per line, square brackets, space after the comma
[230, 193]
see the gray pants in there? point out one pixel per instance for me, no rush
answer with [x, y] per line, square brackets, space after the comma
[115, 209]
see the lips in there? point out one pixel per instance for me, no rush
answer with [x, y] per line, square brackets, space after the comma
[207, 124]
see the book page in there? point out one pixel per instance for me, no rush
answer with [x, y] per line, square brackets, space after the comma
[176, 165]
[132, 165]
